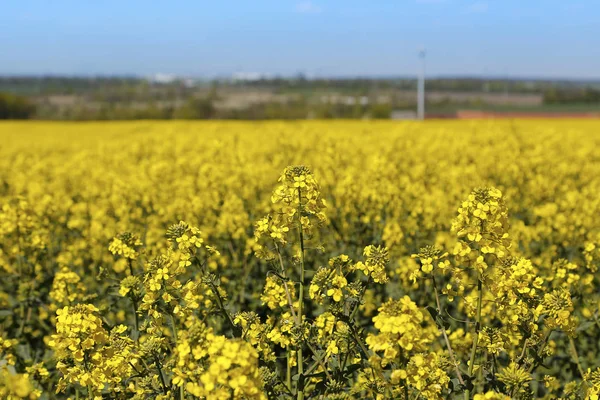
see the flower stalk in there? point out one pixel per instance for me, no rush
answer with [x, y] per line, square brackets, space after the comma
[300, 395]
[476, 335]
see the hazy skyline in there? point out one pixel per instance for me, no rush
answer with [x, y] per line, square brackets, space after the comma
[503, 38]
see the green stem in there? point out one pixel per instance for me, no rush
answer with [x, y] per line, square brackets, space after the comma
[173, 327]
[476, 337]
[596, 321]
[134, 368]
[360, 300]
[359, 342]
[25, 318]
[320, 361]
[540, 351]
[236, 331]
[522, 356]
[135, 305]
[343, 366]
[160, 374]
[576, 357]
[130, 263]
[300, 395]
[137, 319]
[285, 285]
[288, 374]
[439, 309]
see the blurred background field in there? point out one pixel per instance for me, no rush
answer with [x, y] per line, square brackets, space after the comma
[297, 97]
[304, 59]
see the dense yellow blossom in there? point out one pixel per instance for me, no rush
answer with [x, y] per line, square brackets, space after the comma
[278, 294]
[333, 260]
[491, 396]
[402, 326]
[16, 386]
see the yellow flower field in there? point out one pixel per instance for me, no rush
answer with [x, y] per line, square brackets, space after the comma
[304, 260]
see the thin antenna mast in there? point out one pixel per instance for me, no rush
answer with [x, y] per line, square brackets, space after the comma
[421, 87]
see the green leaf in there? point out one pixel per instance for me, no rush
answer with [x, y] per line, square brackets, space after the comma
[433, 311]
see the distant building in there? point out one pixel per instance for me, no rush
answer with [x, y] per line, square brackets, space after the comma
[248, 76]
[163, 78]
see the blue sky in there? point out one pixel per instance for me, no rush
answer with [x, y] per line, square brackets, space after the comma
[545, 38]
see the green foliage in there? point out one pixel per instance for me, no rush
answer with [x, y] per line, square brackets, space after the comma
[196, 108]
[15, 107]
[579, 96]
[380, 111]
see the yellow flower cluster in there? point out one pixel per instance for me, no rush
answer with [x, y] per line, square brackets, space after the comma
[591, 253]
[491, 396]
[333, 335]
[275, 293]
[6, 350]
[87, 353]
[402, 326]
[331, 282]
[232, 371]
[256, 333]
[374, 266]
[425, 373]
[592, 379]
[16, 386]
[559, 308]
[482, 226]
[67, 288]
[125, 244]
[515, 378]
[430, 257]
[296, 204]
[212, 366]
[298, 192]
[515, 289]
[405, 334]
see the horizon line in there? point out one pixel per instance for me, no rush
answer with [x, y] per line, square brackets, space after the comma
[299, 75]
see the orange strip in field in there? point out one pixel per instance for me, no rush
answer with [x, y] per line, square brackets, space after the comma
[474, 114]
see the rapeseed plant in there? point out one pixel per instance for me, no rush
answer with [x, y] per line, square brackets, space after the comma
[378, 273]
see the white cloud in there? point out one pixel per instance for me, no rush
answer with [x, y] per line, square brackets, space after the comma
[308, 7]
[477, 8]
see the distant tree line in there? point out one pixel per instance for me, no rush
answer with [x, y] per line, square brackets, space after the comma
[125, 98]
[301, 109]
[204, 108]
[36, 85]
[458, 84]
[578, 96]
[135, 86]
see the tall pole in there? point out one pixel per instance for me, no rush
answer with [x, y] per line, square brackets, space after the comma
[421, 88]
